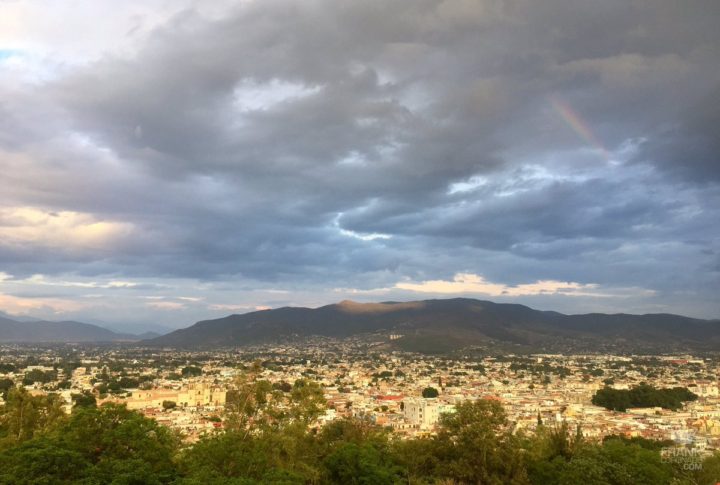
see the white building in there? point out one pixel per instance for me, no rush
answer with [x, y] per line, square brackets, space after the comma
[422, 412]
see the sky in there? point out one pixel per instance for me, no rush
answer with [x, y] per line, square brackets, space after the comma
[168, 161]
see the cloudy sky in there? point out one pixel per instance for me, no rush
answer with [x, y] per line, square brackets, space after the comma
[165, 161]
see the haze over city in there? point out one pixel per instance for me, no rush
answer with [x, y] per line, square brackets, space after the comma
[170, 161]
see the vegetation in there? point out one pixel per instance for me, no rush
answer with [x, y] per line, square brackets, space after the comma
[642, 396]
[5, 386]
[191, 371]
[37, 375]
[84, 400]
[267, 439]
[430, 392]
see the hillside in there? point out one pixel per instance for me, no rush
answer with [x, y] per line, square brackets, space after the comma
[454, 323]
[66, 331]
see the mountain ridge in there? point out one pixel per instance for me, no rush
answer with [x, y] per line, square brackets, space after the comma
[465, 320]
[43, 331]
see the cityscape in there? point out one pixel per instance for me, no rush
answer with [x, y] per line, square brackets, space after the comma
[201, 395]
[187, 391]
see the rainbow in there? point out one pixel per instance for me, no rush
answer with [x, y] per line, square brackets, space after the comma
[577, 124]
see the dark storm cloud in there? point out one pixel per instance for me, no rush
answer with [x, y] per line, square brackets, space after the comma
[690, 147]
[281, 141]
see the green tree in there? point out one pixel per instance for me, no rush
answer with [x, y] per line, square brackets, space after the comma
[361, 464]
[5, 386]
[709, 472]
[41, 460]
[642, 396]
[24, 415]
[84, 400]
[191, 371]
[36, 375]
[307, 401]
[615, 462]
[119, 442]
[430, 392]
[475, 446]
[109, 444]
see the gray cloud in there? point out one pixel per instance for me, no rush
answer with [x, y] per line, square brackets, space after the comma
[259, 145]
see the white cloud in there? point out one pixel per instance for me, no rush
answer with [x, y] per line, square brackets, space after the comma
[464, 283]
[252, 96]
[166, 305]
[21, 226]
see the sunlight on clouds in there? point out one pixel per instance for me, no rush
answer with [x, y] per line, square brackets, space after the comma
[472, 283]
[165, 305]
[21, 306]
[43, 280]
[237, 308]
[28, 225]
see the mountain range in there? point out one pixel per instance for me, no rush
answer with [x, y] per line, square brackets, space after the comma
[451, 324]
[40, 331]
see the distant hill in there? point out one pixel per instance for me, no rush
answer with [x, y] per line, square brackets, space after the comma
[18, 318]
[144, 330]
[67, 331]
[148, 335]
[441, 325]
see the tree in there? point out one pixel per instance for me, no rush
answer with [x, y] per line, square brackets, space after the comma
[642, 396]
[475, 445]
[84, 400]
[169, 405]
[554, 458]
[119, 442]
[109, 444]
[307, 400]
[282, 386]
[430, 392]
[36, 375]
[5, 386]
[353, 463]
[25, 415]
[248, 402]
[271, 456]
[419, 459]
[41, 460]
[191, 371]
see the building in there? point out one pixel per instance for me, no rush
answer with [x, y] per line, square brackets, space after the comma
[422, 412]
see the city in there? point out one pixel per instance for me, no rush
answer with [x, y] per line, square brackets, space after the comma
[403, 392]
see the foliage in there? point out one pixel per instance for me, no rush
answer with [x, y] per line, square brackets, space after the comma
[24, 415]
[191, 371]
[109, 444]
[256, 402]
[613, 462]
[84, 400]
[271, 442]
[430, 392]
[36, 375]
[5, 386]
[360, 464]
[642, 396]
